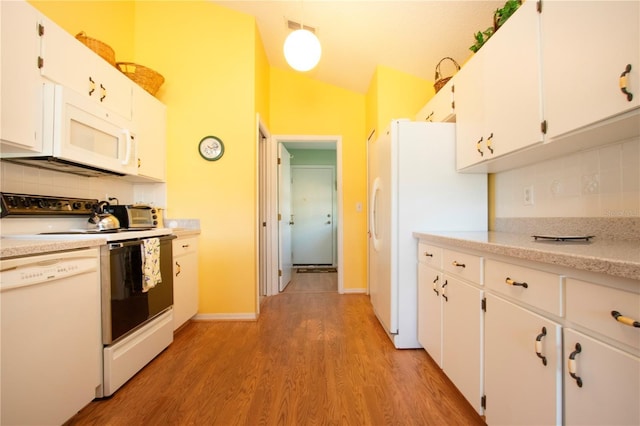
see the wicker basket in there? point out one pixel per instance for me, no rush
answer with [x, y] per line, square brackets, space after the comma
[104, 50]
[441, 81]
[146, 78]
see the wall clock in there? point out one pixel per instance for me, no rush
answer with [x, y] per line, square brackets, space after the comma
[211, 148]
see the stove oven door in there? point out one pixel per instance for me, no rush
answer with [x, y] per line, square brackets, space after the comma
[125, 306]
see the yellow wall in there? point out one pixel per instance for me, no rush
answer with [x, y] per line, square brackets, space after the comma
[303, 106]
[206, 54]
[108, 21]
[394, 94]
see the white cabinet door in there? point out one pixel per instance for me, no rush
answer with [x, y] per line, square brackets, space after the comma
[70, 63]
[498, 92]
[441, 107]
[149, 116]
[462, 338]
[185, 280]
[586, 46]
[20, 80]
[520, 387]
[512, 101]
[606, 386]
[470, 112]
[430, 311]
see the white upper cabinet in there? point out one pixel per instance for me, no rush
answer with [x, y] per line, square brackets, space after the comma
[21, 83]
[70, 63]
[586, 47]
[149, 116]
[441, 107]
[498, 94]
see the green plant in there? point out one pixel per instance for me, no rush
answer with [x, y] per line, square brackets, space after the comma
[481, 38]
[500, 16]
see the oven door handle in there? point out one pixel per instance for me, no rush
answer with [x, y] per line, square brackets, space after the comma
[117, 245]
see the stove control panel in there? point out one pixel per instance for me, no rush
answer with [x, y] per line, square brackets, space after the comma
[24, 204]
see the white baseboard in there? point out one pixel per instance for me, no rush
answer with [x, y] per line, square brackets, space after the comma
[354, 291]
[226, 317]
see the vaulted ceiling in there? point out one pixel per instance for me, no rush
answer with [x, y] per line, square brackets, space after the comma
[358, 35]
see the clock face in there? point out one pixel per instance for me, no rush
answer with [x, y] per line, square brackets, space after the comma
[211, 148]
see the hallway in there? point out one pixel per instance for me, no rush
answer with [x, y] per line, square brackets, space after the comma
[312, 358]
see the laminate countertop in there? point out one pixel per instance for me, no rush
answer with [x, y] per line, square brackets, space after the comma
[10, 247]
[619, 258]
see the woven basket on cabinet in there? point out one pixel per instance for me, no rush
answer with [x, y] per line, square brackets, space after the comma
[104, 50]
[440, 81]
[145, 77]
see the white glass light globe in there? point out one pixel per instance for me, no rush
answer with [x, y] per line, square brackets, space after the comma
[302, 50]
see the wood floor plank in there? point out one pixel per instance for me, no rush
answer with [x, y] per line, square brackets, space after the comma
[311, 359]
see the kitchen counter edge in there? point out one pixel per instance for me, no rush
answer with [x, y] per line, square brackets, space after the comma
[611, 257]
[10, 248]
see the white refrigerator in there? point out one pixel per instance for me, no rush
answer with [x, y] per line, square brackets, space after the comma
[413, 186]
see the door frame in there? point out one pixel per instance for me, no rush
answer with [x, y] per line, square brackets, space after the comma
[272, 172]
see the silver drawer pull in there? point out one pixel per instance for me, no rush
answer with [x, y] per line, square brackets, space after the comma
[515, 283]
[455, 263]
[625, 320]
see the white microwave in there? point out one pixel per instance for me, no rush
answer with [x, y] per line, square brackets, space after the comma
[80, 136]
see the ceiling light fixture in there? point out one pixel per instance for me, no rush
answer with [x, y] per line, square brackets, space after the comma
[302, 50]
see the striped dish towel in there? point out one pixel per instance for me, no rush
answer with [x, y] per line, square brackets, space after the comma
[150, 263]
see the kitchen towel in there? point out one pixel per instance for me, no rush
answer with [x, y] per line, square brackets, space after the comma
[150, 263]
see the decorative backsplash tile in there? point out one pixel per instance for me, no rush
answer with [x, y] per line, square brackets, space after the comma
[603, 182]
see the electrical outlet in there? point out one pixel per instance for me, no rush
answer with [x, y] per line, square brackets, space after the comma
[527, 195]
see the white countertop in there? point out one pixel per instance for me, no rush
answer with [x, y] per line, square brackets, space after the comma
[613, 257]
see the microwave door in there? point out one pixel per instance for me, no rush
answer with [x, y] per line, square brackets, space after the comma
[91, 135]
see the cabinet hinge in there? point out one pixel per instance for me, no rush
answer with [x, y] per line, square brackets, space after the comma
[453, 105]
[483, 304]
[278, 160]
[543, 127]
[40, 30]
[483, 401]
[453, 88]
[279, 272]
[279, 216]
[40, 62]
[539, 6]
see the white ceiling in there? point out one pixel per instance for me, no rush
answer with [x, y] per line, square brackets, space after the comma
[357, 35]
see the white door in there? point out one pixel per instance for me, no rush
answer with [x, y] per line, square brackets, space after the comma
[312, 233]
[284, 217]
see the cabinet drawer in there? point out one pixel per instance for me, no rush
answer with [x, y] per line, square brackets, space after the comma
[183, 246]
[590, 305]
[540, 289]
[464, 265]
[430, 255]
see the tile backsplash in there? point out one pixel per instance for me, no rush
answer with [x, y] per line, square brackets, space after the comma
[603, 182]
[30, 180]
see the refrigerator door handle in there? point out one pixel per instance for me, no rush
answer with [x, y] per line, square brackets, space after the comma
[373, 214]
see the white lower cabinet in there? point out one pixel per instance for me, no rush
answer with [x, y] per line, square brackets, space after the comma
[462, 338]
[430, 311]
[530, 343]
[185, 280]
[523, 366]
[602, 383]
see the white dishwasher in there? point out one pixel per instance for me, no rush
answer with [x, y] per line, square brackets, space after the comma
[51, 341]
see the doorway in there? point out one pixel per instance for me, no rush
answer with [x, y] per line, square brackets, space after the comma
[313, 233]
[300, 143]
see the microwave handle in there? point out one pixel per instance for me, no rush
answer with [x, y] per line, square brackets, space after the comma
[127, 155]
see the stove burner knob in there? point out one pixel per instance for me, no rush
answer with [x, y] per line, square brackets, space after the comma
[88, 206]
[13, 202]
[77, 205]
[43, 204]
[26, 202]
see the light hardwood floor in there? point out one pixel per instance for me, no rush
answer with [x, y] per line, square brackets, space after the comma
[312, 358]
